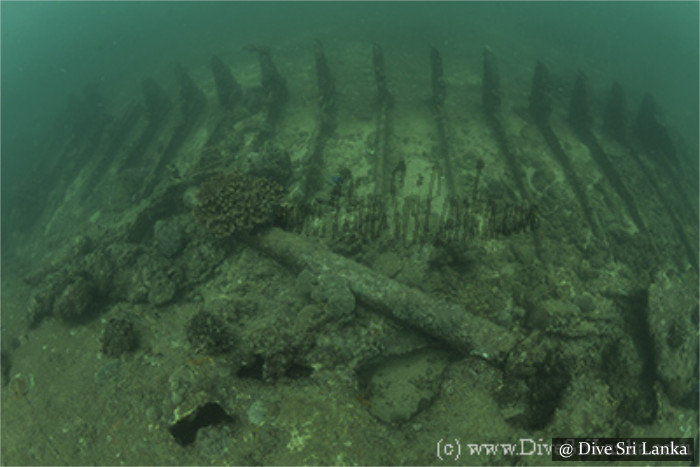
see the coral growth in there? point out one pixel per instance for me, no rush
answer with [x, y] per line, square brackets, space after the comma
[119, 337]
[207, 333]
[234, 203]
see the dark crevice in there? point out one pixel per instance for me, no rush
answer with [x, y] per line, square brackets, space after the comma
[546, 391]
[297, 371]
[252, 370]
[185, 430]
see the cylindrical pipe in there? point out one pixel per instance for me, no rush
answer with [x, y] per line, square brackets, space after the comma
[445, 321]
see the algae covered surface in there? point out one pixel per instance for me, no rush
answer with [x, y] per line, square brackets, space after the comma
[349, 245]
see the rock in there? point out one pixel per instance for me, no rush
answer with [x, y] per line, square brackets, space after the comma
[307, 321]
[588, 408]
[306, 282]
[215, 440]
[163, 285]
[335, 292]
[40, 303]
[155, 280]
[112, 269]
[168, 237]
[400, 386]
[76, 301]
[199, 260]
[257, 413]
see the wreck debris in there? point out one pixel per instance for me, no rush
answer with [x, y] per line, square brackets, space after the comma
[615, 116]
[541, 109]
[445, 321]
[227, 88]
[437, 103]
[490, 84]
[275, 91]
[313, 163]
[582, 121]
[381, 149]
[491, 101]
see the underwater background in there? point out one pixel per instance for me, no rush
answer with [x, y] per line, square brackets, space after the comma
[51, 49]
[341, 232]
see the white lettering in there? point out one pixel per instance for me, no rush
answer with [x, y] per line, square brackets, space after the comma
[508, 449]
[522, 447]
[623, 449]
[474, 449]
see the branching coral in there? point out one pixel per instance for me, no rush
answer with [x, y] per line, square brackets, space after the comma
[234, 203]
